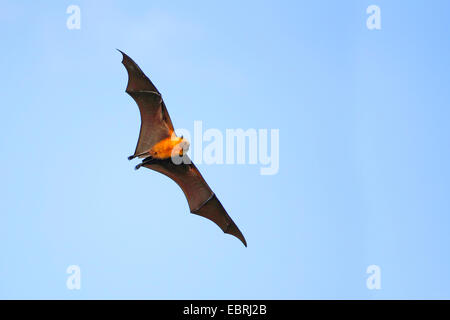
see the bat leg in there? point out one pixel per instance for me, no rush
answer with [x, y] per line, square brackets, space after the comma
[138, 155]
[147, 160]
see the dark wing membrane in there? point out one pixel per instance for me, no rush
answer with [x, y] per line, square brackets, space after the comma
[202, 201]
[153, 127]
[137, 80]
[166, 116]
[155, 120]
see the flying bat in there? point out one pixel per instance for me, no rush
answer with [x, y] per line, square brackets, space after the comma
[164, 152]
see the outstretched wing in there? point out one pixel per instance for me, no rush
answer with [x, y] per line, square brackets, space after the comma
[155, 120]
[202, 201]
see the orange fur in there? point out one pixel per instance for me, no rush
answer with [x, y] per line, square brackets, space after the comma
[168, 147]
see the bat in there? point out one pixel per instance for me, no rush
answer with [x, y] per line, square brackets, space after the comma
[160, 148]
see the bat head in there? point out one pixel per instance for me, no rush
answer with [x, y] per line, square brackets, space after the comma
[184, 144]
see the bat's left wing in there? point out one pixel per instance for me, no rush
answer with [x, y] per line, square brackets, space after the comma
[156, 124]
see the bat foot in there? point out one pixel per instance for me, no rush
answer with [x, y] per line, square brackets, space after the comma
[131, 157]
[148, 160]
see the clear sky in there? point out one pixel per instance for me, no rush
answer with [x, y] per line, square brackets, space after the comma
[363, 118]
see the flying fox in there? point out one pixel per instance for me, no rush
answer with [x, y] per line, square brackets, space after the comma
[161, 150]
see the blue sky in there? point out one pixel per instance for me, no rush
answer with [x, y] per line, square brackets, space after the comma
[363, 119]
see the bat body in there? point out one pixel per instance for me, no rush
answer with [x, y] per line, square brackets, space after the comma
[165, 153]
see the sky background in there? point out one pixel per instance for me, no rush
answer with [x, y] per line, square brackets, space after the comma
[364, 172]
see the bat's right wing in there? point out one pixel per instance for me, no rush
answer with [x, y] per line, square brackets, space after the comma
[202, 201]
[156, 124]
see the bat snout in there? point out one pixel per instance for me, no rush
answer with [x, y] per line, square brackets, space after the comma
[185, 145]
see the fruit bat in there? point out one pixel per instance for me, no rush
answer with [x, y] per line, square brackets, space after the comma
[160, 147]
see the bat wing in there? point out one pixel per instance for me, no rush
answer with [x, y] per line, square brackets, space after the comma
[156, 124]
[201, 199]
